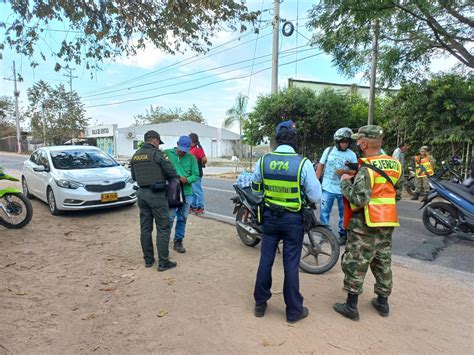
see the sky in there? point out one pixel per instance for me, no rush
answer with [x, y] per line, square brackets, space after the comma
[243, 62]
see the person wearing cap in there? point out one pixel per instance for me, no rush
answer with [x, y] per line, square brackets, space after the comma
[421, 179]
[150, 169]
[197, 203]
[285, 179]
[187, 169]
[372, 196]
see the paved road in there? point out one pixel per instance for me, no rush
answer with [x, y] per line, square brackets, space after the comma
[411, 233]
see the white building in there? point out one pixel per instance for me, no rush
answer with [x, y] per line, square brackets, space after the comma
[216, 142]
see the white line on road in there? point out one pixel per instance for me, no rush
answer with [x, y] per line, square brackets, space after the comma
[222, 190]
[219, 215]
[411, 219]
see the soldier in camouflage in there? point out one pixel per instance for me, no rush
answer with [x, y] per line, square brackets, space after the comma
[368, 246]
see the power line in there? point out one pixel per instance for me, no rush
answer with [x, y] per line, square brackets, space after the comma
[185, 75]
[198, 87]
[201, 78]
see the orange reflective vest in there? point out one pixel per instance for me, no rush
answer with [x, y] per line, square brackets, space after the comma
[425, 161]
[381, 211]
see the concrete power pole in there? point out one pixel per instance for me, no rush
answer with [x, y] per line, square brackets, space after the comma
[373, 72]
[70, 76]
[16, 93]
[276, 30]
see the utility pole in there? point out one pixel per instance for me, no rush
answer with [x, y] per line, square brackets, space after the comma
[44, 125]
[373, 71]
[16, 94]
[70, 76]
[276, 30]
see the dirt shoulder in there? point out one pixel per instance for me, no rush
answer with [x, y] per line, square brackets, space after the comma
[77, 283]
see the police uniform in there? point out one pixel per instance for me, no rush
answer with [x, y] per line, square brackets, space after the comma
[282, 176]
[150, 169]
[374, 215]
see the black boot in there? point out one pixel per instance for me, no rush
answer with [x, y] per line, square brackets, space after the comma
[381, 305]
[348, 309]
[415, 197]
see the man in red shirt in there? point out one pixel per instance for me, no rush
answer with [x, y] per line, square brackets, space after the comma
[197, 203]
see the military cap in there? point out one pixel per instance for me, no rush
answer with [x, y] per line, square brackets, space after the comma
[369, 131]
[153, 134]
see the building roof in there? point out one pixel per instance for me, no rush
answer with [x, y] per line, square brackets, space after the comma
[182, 128]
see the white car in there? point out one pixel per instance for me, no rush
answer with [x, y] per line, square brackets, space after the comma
[77, 178]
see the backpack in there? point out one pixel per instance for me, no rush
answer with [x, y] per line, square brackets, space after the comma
[175, 193]
[324, 168]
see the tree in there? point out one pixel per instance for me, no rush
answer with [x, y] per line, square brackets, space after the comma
[56, 115]
[7, 114]
[158, 114]
[112, 28]
[412, 33]
[237, 114]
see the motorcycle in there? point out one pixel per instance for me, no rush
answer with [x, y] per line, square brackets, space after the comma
[454, 215]
[320, 246]
[15, 208]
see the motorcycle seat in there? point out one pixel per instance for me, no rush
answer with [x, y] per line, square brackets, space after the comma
[252, 198]
[460, 190]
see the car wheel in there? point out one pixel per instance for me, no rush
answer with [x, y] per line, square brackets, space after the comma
[25, 189]
[53, 208]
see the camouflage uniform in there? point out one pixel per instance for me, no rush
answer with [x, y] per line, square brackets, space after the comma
[366, 246]
[422, 186]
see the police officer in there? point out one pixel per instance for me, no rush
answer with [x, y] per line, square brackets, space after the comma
[150, 169]
[373, 194]
[284, 177]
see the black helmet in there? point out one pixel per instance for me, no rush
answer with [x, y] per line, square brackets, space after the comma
[342, 134]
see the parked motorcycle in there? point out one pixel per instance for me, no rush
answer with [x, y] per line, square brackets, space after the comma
[15, 208]
[320, 246]
[454, 215]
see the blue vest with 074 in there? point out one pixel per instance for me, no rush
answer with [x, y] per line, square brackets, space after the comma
[281, 175]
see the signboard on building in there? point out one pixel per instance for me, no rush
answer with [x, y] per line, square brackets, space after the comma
[100, 131]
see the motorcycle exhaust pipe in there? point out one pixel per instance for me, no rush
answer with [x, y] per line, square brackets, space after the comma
[440, 217]
[247, 228]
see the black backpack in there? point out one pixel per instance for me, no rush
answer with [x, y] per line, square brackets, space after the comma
[175, 193]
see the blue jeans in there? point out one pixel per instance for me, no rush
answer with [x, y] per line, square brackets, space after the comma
[182, 215]
[327, 201]
[198, 195]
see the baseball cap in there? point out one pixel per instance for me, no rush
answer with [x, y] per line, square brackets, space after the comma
[184, 143]
[289, 126]
[369, 131]
[153, 134]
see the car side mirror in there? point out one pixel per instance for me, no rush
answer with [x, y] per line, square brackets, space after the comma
[40, 169]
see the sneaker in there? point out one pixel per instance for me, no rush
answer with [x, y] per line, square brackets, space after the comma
[260, 309]
[199, 210]
[191, 209]
[150, 264]
[167, 265]
[178, 246]
[342, 239]
[302, 316]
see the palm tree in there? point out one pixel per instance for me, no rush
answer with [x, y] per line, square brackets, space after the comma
[237, 114]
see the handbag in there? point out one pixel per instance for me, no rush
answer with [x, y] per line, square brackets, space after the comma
[175, 193]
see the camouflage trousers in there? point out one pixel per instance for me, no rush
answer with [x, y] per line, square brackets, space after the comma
[361, 252]
[421, 186]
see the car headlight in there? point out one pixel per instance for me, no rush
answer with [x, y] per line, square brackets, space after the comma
[68, 184]
[129, 180]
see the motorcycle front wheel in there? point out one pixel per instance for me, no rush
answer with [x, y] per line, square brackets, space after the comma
[410, 186]
[15, 210]
[320, 251]
[246, 238]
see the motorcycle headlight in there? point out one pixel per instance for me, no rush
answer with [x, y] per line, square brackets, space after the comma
[68, 184]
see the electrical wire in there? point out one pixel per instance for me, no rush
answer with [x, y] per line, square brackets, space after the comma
[197, 87]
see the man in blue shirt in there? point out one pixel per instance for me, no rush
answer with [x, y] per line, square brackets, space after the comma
[331, 166]
[284, 178]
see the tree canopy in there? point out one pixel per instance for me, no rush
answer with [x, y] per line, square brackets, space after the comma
[159, 114]
[412, 34]
[53, 109]
[111, 28]
[7, 117]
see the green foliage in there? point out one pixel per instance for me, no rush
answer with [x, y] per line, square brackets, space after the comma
[60, 111]
[412, 34]
[109, 29]
[158, 114]
[7, 117]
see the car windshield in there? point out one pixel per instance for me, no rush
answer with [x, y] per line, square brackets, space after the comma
[81, 159]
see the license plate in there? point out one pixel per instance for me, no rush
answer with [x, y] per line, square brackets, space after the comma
[110, 197]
